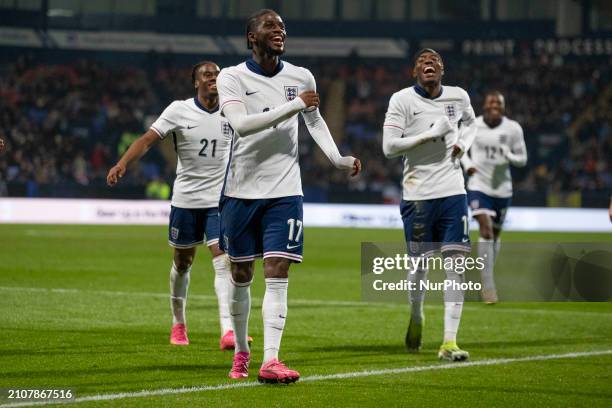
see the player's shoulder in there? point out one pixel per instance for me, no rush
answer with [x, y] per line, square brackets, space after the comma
[480, 121]
[175, 107]
[296, 70]
[403, 95]
[456, 91]
[232, 71]
[512, 124]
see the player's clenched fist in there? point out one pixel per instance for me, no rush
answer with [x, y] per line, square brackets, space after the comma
[114, 174]
[441, 126]
[350, 163]
[310, 98]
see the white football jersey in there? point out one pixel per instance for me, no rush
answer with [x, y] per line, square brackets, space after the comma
[202, 142]
[264, 164]
[492, 175]
[429, 170]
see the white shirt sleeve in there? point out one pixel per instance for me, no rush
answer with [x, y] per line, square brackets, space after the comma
[233, 108]
[229, 88]
[467, 132]
[394, 142]
[167, 121]
[517, 154]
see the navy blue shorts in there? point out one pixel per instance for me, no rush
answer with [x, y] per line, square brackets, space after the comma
[269, 227]
[189, 226]
[436, 224]
[495, 207]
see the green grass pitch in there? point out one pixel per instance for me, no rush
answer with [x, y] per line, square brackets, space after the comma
[104, 328]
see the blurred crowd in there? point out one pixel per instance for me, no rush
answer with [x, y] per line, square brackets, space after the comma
[67, 124]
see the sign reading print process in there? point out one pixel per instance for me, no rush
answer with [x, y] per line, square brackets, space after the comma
[522, 272]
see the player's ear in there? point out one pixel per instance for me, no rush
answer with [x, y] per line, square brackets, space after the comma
[250, 39]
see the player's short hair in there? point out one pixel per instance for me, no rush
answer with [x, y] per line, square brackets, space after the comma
[196, 67]
[494, 92]
[423, 51]
[252, 22]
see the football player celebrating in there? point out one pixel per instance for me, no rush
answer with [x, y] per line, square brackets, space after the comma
[499, 143]
[202, 140]
[421, 125]
[261, 204]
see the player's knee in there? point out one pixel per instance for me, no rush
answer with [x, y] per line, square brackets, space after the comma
[242, 272]
[276, 267]
[486, 231]
[183, 262]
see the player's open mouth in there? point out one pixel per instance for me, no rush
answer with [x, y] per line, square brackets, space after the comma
[429, 70]
[277, 40]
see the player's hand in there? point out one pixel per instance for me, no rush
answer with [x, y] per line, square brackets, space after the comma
[470, 171]
[441, 126]
[503, 151]
[1, 145]
[349, 163]
[310, 98]
[457, 152]
[356, 168]
[114, 174]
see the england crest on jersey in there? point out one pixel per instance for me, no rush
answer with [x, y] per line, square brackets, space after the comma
[450, 110]
[226, 129]
[291, 92]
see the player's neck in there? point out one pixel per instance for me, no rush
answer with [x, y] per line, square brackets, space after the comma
[433, 90]
[209, 102]
[267, 62]
[492, 123]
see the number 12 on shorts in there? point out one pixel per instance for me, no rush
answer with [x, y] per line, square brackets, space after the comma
[293, 234]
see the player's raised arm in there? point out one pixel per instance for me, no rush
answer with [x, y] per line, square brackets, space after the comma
[467, 132]
[517, 152]
[234, 109]
[394, 142]
[134, 152]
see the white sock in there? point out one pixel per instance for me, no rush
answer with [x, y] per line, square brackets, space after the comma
[453, 305]
[222, 283]
[179, 282]
[274, 312]
[417, 296]
[240, 308]
[486, 251]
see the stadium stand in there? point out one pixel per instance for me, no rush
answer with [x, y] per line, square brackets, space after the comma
[66, 123]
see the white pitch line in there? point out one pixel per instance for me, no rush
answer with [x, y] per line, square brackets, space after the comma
[309, 302]
[313, 378]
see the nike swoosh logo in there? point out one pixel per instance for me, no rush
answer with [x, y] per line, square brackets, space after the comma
[282, 317]
[191, 127]
[293, 246]
[465, 240]
[416, 113]
[251, 93]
